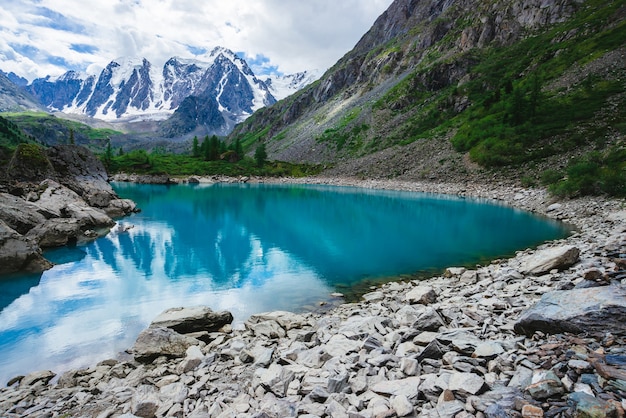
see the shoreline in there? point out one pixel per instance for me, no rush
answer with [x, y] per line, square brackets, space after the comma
[595, 219]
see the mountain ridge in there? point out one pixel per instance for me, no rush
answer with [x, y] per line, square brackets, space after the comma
[404, 102]
[131, 90]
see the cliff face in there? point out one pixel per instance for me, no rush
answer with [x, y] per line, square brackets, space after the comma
[389, 89]
[52, 198]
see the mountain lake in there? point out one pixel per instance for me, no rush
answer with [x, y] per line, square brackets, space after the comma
[245, 248]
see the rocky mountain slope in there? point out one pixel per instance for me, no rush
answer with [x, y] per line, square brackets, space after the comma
[451, 89]
[13, 98]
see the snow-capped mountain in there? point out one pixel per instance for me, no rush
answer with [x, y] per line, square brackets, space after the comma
[131, 89]
[286, 85]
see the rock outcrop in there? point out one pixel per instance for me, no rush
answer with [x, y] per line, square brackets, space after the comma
[19, 253]
[63, 201]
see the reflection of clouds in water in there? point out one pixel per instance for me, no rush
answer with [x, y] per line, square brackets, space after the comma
[88, 310]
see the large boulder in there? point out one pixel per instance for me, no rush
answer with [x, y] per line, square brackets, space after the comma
[29, 163]
[18, 253]
[80, 170]
[56, 232]
[593, 310]
[61, 202]
[192, 319]
[19, 214]
[155, 342]
[555, 258]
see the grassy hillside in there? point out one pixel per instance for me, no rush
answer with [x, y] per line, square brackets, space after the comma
[50, 130]
[543, 104]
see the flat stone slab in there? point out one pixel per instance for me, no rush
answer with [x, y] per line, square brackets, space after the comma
[192, 319]
[597, 309]
[555, 258]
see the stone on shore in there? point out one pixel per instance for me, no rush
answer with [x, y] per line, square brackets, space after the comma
[19, 253]
[192, 319]
[555, 258]
[159, 341]
[598, 310]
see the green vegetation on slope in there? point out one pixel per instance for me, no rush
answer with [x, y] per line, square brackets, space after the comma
[141, 162]
[517, 104]
[11, 135]
[50, 130]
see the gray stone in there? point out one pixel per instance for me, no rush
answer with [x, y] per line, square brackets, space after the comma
[18, 253]
[545, 384]
[18, 214]
[286, 320]
[270, 329]
[175, 392]
[339, 345]
[543, 261]
[401, 405]
[429, 320]
[466, 383]
[421, 294]
[55, 232]
[488, 349]
[145, 402]
[158, 341]
[598, 309]
[408, 387]
[43, 376]
[448, 409]
[186, 320]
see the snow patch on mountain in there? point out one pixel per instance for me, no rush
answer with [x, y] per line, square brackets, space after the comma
[282, 86]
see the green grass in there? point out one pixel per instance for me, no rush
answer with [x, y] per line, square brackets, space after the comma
[50, 130]
[141, 162]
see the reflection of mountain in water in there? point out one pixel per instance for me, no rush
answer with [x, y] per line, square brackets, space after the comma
[342, 233]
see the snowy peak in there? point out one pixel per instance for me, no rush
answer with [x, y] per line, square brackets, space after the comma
[133, 89]
[285, 85]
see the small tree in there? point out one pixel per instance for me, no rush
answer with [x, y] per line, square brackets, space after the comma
[238, 149]
[260, 155]
[72, 142]
[108, 155]
[214, 148]
[195, 148]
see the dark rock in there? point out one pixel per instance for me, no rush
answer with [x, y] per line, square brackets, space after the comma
[18, 253]
[56, 232]
[193, 319]
[599, 310]
[589, 406]
[19, 214]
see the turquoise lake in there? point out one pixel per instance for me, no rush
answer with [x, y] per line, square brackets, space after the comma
[244, 248]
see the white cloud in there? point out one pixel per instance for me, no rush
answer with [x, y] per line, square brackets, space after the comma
[292, 35]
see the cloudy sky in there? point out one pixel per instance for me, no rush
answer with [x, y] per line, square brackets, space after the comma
[47, 37]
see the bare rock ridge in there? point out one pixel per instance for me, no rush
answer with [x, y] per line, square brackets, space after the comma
[53, 198]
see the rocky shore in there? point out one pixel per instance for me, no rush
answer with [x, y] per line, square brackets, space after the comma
[53, 199]
[540, 334]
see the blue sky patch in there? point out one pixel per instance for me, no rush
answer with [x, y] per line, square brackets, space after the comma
[196, 50]
[84, 48]
[58, 21]
[260, 64]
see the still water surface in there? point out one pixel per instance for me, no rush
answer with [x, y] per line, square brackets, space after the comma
[242, 248]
